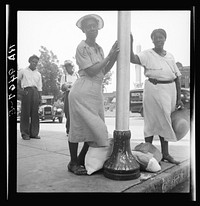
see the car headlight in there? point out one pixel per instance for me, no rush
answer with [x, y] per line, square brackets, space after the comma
[59, 110]
[40, 110]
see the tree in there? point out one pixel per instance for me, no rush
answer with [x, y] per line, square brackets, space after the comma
[107, 79]
[179, 65]
[48, 67]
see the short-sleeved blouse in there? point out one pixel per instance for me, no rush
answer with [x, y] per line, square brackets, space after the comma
[158, 67]
[87, 56]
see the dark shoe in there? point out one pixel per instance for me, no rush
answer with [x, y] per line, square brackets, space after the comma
[25, 137]
[170, 159]
[77, 169]
[36, 137]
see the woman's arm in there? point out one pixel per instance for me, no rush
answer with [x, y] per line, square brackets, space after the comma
[112, 59]
[110, 64]
[178, 89]
[133, 57]
[107, 62]
[96, 68]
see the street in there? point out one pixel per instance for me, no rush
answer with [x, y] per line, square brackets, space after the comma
[136, 124]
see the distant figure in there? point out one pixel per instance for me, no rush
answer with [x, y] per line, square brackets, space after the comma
[162, 91]
[67, 81]
[85, 98]
[30, 86]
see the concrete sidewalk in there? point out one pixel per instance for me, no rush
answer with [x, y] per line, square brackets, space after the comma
[42, 167]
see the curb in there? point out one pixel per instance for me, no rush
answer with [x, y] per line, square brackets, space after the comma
[164, 181]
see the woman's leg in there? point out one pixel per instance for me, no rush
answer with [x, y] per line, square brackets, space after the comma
[165, 152]
[74, 165]
[149, 139]
[81, 156]
[73, 147]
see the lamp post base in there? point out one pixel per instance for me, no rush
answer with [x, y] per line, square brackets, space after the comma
[122, 165]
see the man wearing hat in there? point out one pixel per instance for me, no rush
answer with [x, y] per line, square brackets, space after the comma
[67, 80]
[30, 86]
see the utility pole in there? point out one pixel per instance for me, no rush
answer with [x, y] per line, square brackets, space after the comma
[122, 165]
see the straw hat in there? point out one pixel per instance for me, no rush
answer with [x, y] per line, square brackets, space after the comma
[89, 16]
[180, 122]
[68, 62]
[149, 148]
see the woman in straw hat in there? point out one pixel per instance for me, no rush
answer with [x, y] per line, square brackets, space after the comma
[85, 98]
[162, 91]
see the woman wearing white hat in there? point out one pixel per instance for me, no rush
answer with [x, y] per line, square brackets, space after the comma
[86, 99]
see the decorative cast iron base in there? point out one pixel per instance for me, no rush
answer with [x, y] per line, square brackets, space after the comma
[122, 164]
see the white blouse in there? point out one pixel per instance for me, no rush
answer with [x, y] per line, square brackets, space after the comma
[158, 67]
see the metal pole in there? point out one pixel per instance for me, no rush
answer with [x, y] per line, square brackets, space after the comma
[123, 72]
[138, 83]
[122, 164]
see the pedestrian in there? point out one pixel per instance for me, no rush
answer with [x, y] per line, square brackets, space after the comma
[30, 86]
[162, 91]
[85, 98]
[67, 81]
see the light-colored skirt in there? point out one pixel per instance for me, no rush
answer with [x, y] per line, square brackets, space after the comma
[158, 103]
[87, 113]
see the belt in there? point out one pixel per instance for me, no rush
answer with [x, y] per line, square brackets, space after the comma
[33, 87]
[155, 81]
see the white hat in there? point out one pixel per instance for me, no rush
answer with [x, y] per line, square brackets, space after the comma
[95, 16]
[180, 122]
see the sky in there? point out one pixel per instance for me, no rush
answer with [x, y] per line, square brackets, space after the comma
[57, 31]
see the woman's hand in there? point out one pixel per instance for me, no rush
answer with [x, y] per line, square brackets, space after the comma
[114, 51]
[112, 57]
[179, 104]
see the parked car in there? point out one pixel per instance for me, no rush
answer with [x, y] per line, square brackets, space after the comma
[50, 110]
[46, 111]
[18, 110]
[136, 100]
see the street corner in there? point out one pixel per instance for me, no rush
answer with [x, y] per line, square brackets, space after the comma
[163, 181]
